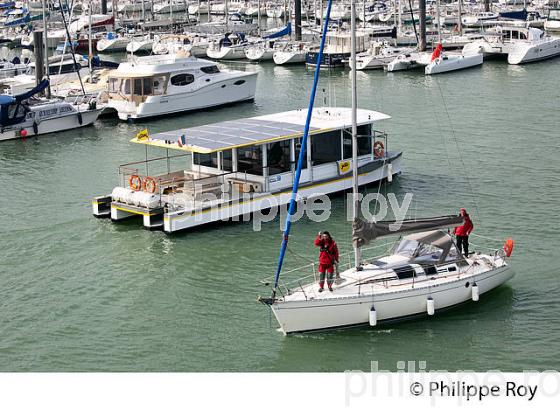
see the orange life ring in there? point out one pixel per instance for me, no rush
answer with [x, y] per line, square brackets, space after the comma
[135, 182]
[378, 149]
[508, 247]
[150, 185]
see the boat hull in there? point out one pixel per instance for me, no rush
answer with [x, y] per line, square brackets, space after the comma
[218, 93]
[453, 63]
[328, 313]
[522, 53]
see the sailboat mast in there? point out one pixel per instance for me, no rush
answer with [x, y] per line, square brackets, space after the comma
[46, 45]
[355, 199]
[438, 21]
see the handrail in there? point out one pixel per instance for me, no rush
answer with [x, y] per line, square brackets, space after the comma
[153, 159]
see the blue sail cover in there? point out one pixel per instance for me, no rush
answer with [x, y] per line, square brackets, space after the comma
[515, 15]
[36, 90]
[286, 31]
[7, 5]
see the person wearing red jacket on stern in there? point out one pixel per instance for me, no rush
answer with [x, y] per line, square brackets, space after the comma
[328, 256]
[462, 232]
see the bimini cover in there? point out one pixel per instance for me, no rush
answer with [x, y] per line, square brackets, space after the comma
[363, 232]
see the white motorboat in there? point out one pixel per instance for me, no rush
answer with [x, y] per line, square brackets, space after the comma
[291, 53]
[274, 11]
[538, 46]
[24, 115]
[230, 47]
[157, 85]
[378, 55]
[247, 168]
[478, 19]
[423, 274]
[142, 44]
[112, 43]
[252, 9]
[133, 6]
[552, 23]
[199, 8]
[171, 6]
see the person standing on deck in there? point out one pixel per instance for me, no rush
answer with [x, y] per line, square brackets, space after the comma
[328, 256]
[462, 232]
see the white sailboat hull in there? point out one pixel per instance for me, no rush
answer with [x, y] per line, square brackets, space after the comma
[259, 53]
[449, 63]
[288, 57]
[327, 313]
[226, 53]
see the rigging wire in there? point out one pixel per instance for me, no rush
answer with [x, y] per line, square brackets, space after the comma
[473, 197]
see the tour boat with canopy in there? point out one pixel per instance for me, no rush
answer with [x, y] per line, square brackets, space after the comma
[239, 167]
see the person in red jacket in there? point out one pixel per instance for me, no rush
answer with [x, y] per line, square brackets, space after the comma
[462, 232]
[328, 256]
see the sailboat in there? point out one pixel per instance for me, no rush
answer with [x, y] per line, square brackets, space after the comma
[423, 273]
[443, 62]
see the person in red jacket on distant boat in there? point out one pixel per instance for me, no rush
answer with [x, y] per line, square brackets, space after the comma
[328, 256]
[462, 232]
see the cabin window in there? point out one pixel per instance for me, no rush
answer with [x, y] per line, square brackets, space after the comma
[325, 147]
[211, 69]
[298, 149]
[249, 159]
[227, 161]
[182, 79]
[138, 86]
[364, 141]
[147, 88]
[206, 160]
[114, 84]
[278, 157]
[159, 85]
[239, 82]
[125, 87]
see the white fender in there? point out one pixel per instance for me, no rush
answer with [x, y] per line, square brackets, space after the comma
[474, 292]
[430, 306]
[390, 172]
[372, 317]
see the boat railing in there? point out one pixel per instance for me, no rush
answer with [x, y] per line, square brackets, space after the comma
[295, 279]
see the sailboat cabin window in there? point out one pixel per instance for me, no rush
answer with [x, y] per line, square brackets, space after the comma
[182, 79]
[211, 69]
[138, 86]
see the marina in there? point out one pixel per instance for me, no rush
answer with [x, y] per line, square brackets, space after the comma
[150, 136]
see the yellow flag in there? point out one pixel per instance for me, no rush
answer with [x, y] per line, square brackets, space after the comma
[143, 135]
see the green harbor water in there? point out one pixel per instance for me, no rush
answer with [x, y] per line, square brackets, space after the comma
[82, 294]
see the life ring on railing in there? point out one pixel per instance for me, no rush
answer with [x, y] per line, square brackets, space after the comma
[135, 182]
[508, 247]
[378, 149]
[150, 185]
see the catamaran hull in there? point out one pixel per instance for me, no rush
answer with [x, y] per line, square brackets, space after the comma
[313, 315]
[522, 53]
[176, 221]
